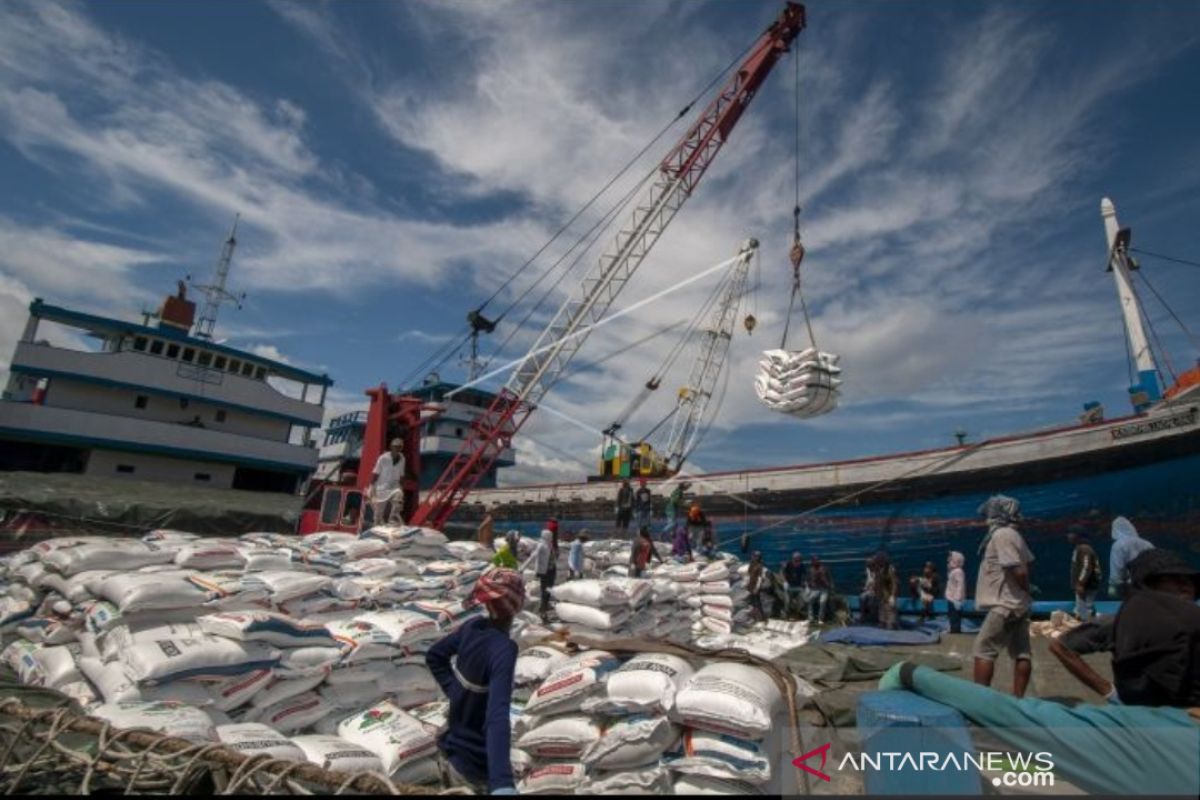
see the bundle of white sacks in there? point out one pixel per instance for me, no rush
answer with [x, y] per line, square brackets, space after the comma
[802, 383]
[653, 724]
[309, 648]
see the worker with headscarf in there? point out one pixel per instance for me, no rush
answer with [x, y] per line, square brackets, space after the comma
[956, 589]
[504, 555]
[544, 561]
[1147, 744]
[474, 667]
[887, 588]
[1127, 546]
[1002, 589]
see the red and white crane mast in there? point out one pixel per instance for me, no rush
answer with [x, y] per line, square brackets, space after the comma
[678, 175]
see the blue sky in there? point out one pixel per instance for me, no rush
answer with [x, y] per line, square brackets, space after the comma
[394, 162]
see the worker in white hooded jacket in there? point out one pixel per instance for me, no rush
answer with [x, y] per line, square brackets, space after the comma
[545, 563]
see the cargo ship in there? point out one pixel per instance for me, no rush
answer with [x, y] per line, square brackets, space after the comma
[920, 505]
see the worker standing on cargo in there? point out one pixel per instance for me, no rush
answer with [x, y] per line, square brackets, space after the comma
[643, 505]
[1085, 572]
[956, 589]
[697, 523]
[575, 557]
[385, 482]
[674, 501]
[681, 543]
[545, 563]
[887, 589]
[1127, 546]
[820, 585]
[642, 551]
[624, 506]
[755, 584]
[487, 530]
[504, 555]
[474, 666]
[1144, 745]
[1002, 588]
[793, 576]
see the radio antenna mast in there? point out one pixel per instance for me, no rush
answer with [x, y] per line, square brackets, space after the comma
[215, 293]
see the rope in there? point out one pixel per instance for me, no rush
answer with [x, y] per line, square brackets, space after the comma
[142, 761]
[1165, 258]
[1171, 311]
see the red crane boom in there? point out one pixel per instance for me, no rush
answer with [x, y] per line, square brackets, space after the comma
[679, 173]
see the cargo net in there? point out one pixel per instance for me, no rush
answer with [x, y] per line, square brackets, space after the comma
[802, 383]
[58, 751]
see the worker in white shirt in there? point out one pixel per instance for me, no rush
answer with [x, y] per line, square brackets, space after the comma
[386, 499]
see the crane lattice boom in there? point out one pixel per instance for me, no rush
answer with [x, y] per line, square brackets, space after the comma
[679, 174]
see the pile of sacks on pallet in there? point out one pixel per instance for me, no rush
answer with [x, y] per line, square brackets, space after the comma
[656, 723]
[309, 648]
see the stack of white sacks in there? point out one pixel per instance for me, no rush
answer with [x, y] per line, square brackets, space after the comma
[802, 383]
[309, 648]
[654, 724]
[711, 593]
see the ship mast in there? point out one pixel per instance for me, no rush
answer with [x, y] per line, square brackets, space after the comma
[215, 293]
[1147, 390]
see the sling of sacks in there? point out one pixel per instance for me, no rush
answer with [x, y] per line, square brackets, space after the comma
[804, 383]
[652, 724]
[309, 648]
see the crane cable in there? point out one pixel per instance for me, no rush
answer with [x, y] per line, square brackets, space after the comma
[601, 225]
[796, 254]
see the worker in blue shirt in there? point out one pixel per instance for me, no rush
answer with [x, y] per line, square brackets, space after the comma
[474, 666]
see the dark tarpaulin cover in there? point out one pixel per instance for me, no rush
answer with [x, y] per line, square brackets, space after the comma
[34, 504]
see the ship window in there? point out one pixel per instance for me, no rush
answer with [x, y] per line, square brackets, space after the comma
[139, 343]
[219, 362]
[458, 432]
[220, 415]
[260, 374]
[141, 401]
[188, 354]
[172, 350]
[247, 369]
[156, 347]
[204, 359]
[125, 469]
[183, 402]
[234, 365]
[202, 476]
[430, 427]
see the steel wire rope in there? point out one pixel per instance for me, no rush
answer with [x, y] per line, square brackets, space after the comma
[1157, 342]
[591, 236]
[628, 165]
[1171, 311]
[1165, 258]
[612, 212]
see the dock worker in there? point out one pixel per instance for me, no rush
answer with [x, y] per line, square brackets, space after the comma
[643, 505]
[793, 576]
[1085, 572]
[956, 589]
[1127, 546]
[681, 543]
[820, 585]
[1149, 744]
[505, 557]
[697, 523]
[385, 482]
[756, 585]
[642, 551]
[1002, 589]
[575, 557]
[474, 666]
[624, 506]
[487, 529]
[545, 563]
